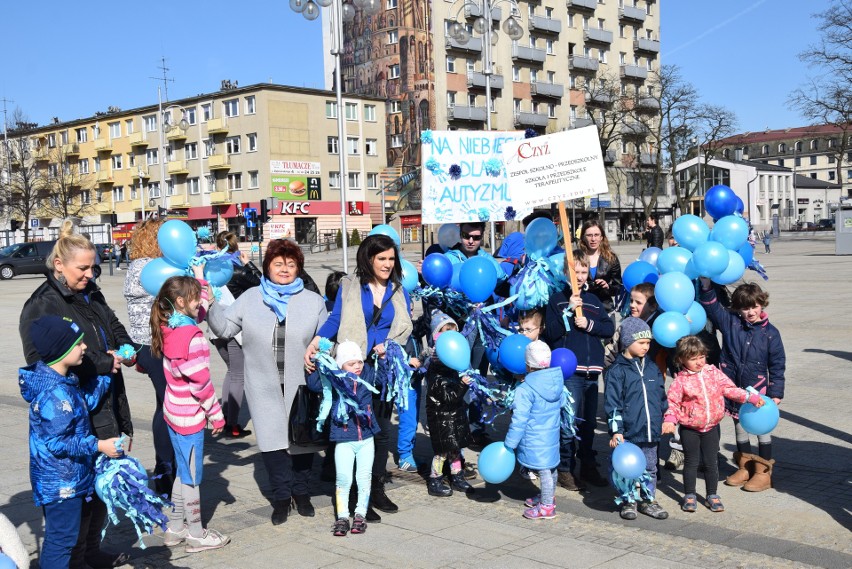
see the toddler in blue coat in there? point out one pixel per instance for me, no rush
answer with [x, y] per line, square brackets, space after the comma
[535, 428]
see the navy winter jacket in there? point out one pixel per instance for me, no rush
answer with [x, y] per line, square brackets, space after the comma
[635, 399]
[752, 354]
[536, 416]
[588, 344]
[62, 446]
[355, 428]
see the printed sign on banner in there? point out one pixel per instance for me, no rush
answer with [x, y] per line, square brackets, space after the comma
[555, 167]
[463, 177]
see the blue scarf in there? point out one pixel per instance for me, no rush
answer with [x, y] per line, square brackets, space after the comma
[277, 296]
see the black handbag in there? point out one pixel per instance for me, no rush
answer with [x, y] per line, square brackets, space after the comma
[303, 419]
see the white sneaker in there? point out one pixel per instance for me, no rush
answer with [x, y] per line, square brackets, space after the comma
[173, 538]
[211, 539]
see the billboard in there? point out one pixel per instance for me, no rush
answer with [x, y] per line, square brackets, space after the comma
[295, 180]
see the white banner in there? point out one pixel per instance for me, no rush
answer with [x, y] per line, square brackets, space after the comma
[555, 167]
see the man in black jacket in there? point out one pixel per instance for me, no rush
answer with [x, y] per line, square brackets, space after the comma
[655, 232]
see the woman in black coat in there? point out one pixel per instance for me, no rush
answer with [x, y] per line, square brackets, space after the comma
[604, 267]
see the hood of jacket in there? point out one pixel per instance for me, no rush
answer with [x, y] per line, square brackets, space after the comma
[176, 341]
[547, 383]
[37, 378]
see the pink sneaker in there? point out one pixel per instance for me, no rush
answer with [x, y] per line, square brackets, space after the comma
[540, 512]
[534, 501]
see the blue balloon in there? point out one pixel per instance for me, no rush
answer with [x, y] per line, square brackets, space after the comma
[557, 263]
[733, 272]
[453, 350]
[496, 463]
[651, 255]
[628, 460]
[674, 292]
[6, 562]
[455, 283]
[759, 421]
[710, 258]
[639, 272]
[155, 273]
[565, 359]
[177, 241]
[690, 231]
[437, 270]
[740, 209]
[690, 269]
[731, 231]
[409, 275]
[218, 271]
[697, 318]
[386, 230]
[669, 327]
[478, 278]
[673, 259]
[720, 201]
[513, 353]
[747, 253]
[448, 235]
[540, 238]
[493, 355]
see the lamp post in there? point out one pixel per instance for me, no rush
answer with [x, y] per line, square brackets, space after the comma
[340, 12]
[167, 125]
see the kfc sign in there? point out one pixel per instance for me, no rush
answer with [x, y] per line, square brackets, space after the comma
[295, 208]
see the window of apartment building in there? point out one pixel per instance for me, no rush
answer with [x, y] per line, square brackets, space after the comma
[118, 194]
[170, 152]
[549, 47]
[764, 150]
[516, 105]
[551, 110]
[832, 143]
[117, 160]
[648, 8]
[831, 175]
[254, 179]
[334, 180]
[601, 23]
[193, 186]
[548, 13]
[831, 159]
[551, 77]
[209, 147]
[814, 144]
[533, 75]
[252, 141]
[536, 106]
[396, 141]
[83, 165]
[533, 39]
[150, 123]
[97, 163]
[531, 10]
[516, 73]
[152, 156]
[351, 111]
[354, 180]
[781, 162]
[207, 111]
[86, 196]
[602, 55]
[390, 4]
[372, 180]
[797, 161]
[393, 37]
[782, 148]
[585, 22]
[570, 20]
[370, 113]
[371, 147]
[798, 146]
[52, 171]
[396, 106]
[251, 105]
[235, 181]
[209, 183]
[190, 115]
[849, 157]
[621, 30]
[171, 189]
[849, 174]
[232, 145]
[82, 134]
[231, 107]
[133, 193]
[471, 65]
[471, 100]
[129, 127]
[154, 189]
[63, 137]
[451, 64]
[587, 52]
[451, 98]
[393, 71]
[353, 145]
[813, 160]
[332, 145]
[330, 110]
[813, 175]
[115, 129]
[131, 160]
[190, 150]
[51, 140]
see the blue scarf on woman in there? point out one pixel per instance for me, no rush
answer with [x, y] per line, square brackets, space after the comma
[277, 296]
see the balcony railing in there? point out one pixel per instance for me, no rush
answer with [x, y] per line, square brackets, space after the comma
[646, 45]
[634, 72]
[219, 197]
[178, 133]
[609, 157]
[178, 200]
[177, 167]
[524, 118]
[217, 126]
[579, 62]
[632, 13]
[464, 113]
[104, 177]
[648, 159]
[532, 54]
[555, 90]
[634, 129]
[648, 105]
[137, 173]
[218, 162]
[41, 154]
[580, 123]
[474, 45]
[598, 35]
[599, 98]
[546, 25]
[477, 79]
[138, 139]
[473, 10]
[103, 207]
[103, 145]
[583, 4]
[72, 149]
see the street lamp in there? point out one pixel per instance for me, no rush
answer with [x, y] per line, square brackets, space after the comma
[166, 126]
[340, 12]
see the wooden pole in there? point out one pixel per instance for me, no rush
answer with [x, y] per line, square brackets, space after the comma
[569, 251]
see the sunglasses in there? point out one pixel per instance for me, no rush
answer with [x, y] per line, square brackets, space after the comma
[465, 235]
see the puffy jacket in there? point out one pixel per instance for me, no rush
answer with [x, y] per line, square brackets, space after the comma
[62, 446]
[446, 410]
[752, 354]
[635, 399]
[588, 344]
[611, 273]
[697, 400]
[536, 415]
[102, 332]
[355, 428]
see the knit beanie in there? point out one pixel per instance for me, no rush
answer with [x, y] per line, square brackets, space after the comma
[537, 355]
[348, 351]
[633, 329]
[54, 338]
[439, 320]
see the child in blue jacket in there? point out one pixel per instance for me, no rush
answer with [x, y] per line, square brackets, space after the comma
[585, 336]
[535, 428]
[62, 446]
[635, 402]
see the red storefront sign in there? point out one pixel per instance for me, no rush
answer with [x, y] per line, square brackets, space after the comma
[409, 220]
[319, 208]
[211, 212]
[122, 232]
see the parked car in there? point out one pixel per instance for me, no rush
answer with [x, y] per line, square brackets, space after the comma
[24, 259]
[105, 251]
[826, 224]
[806, 226]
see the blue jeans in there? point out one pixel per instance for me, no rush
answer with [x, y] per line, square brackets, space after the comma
[360, 453]
[408, 419]
[61, 529]
[584, 390]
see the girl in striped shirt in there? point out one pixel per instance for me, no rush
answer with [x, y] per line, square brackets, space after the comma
[189, 404]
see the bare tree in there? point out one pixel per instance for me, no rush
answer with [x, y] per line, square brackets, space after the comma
[25, 186]
[67, 185]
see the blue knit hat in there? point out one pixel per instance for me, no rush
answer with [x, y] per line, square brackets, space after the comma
[439, 320]
[54, 338]
[633, 329]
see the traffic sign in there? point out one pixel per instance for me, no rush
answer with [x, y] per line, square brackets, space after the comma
[250, 213]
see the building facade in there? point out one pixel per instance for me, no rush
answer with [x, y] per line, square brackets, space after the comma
[206, 159]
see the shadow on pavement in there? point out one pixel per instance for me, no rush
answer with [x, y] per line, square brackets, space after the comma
[836, 353]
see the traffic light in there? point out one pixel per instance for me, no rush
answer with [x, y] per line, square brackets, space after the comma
[113, 219]
[16, 224]
[264, 211]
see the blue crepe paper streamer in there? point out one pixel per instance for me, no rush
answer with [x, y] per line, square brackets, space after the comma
[395, 374]
[338, 381]
[536, 282]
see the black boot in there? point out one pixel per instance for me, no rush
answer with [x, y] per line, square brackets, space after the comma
[373, 516]
[437, 487]
[304, 506]
[280, 511]
[459, 483]
[379, 500]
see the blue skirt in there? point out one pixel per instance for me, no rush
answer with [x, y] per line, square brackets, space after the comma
[187, 447]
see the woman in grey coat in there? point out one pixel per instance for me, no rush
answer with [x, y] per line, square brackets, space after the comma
[278, 319]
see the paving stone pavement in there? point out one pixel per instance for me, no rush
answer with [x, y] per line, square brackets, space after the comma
[804, 521]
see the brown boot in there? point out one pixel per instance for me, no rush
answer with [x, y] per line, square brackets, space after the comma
[762, 478]
[746, 469]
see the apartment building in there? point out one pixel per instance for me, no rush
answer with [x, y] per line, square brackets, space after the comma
[207, 158]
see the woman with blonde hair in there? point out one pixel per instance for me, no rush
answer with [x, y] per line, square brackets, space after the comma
[69, 292]
[604, 266]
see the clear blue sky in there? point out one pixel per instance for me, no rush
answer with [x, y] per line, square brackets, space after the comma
[740, 54]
